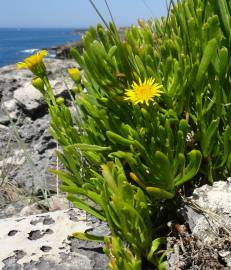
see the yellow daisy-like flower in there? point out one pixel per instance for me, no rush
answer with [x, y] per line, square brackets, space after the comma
[143, 91]
[34, 63]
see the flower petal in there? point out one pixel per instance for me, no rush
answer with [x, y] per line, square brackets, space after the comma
[21, 65]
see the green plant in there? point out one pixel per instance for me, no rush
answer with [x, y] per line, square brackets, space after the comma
[195, 42]
[125, 160]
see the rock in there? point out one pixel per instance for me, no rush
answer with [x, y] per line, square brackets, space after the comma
[63, 51]
[32, 209]
[214, 204]
[4, 120]
[11, 79]
[30, 100]
[10, 211]
[29, 167]
[24, 206]
[7, 142]
[10, 105]
[11, 108]
[26, 107]
[58, 202]
[33, 175]
[26, 153]
[18, 158]
[13, 202]
[3, 128]
[207, 244]
[41, 242]
[215, 216]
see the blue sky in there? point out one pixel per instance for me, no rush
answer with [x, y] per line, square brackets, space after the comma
[75, 13]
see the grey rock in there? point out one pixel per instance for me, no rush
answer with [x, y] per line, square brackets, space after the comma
[13, 209]
[33, 175]
[32, 101]
[63, 51]
[4, 120]
[208, 215]
[10, 210]
[215, 205]
[11, 108]
[26, 205]
[16, 159]
[29, 168]
[29, 99]
[26, 107]
[29, 171]
[58, 202]
[28, 210]
[7, 142]
[10, 105]
[3, 128]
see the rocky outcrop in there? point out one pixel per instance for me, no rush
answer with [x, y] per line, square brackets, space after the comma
[35, 230]
[204, 241]
[210, 210]
[63, 51]
[26, 147]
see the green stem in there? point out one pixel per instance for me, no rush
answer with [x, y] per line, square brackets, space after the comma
[50, 92]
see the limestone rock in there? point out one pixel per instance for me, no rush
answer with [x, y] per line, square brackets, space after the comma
[32, 101]
[215, 204]
[58, 202]
[11, 108]
[31, 209]
[207, 244]
[44, 242]
[40, 241]
[26, 107]
[4, 120]
[29, 98]
[17, 158]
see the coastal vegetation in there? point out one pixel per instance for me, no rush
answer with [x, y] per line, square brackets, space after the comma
[151, 122]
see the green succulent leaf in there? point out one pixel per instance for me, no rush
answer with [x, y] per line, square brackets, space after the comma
[88, 237]
[192, 168]
[159, 193]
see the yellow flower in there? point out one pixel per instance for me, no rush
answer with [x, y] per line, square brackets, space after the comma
[34, 63]
[143, 91]
[74, 73]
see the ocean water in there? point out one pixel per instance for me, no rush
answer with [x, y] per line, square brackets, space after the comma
[16, 44]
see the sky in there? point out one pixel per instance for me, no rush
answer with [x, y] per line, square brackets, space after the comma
[75, 13]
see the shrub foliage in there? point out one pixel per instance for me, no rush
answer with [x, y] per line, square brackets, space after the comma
[125, 161]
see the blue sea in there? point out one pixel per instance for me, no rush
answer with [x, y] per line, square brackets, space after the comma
[16, 44]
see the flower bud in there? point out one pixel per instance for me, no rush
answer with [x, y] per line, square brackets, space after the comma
[75, 90]
[60, 100]
[74, 74]
[38, 84]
